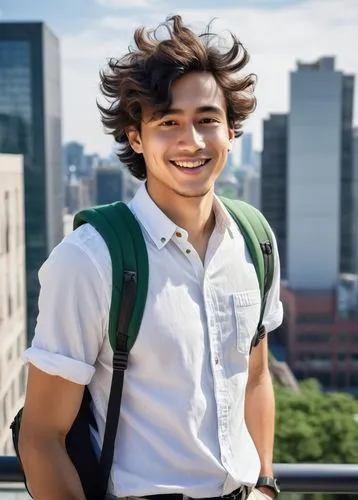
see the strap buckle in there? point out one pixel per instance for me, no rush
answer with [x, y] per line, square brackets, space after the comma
[120, 361]
[266, 247]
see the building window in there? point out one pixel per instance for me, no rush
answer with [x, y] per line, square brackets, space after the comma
[22, 384]
[9, 304]
[7, 222]
[354, 379]
[13, 394]
[9, 355]
[18, 291]
[19, 345]
[4, 409]
[313, 337]
[314, 318]
[17, 217]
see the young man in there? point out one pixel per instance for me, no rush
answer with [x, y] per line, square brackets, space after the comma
[197, 416]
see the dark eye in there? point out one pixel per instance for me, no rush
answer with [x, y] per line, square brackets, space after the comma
[209, 120]
[168, 123]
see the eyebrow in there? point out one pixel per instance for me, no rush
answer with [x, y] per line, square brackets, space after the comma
[177, 111]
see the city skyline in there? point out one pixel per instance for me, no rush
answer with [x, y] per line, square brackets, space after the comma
[92, 31]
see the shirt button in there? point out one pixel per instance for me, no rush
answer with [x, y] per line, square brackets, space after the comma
[216, 359]
[178, 234]
[187, 250]
[163, 240]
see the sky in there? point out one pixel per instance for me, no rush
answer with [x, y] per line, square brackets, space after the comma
[277, 33]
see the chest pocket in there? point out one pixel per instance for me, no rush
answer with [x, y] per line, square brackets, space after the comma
[247, 306]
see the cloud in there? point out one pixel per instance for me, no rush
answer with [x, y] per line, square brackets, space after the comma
[276, 39]
[124, 4]
[118, 22]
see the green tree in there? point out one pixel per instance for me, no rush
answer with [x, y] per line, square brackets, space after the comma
[312, 426]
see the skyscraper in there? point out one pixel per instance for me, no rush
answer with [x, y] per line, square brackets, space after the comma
[109, 184]
[12, 295]
[73, 153]
[246, 149]
[30, 124]
[320, 295]
[274, 180]
[355, 195]
[320, 241]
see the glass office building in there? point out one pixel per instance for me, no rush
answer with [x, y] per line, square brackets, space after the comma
[30, 124]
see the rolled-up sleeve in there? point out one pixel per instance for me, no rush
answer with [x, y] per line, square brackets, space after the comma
[71, 322]
[274, 311]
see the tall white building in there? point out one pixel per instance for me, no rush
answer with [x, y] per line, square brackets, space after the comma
[12, 295]
[320, 242]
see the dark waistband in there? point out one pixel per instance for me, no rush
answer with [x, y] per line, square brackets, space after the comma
[239, 494]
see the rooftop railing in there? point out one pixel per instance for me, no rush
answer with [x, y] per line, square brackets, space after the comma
[294, 478]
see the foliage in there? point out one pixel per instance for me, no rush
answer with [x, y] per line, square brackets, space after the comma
[312, 426]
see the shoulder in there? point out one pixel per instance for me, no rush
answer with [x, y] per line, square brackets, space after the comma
[81, 252]
[87, 239]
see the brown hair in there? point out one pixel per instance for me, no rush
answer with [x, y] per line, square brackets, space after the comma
[145, 75]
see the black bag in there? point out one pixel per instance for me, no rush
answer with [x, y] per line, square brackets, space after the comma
[78, 445]
[93, 473]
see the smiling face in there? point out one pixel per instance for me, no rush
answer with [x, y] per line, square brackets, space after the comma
[185, 150]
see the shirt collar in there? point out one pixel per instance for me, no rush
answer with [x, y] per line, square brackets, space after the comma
[158, 226]
[161, 229]
[223, 220]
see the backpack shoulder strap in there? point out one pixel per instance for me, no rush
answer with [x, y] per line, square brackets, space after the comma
[123, 236]
[258, 238]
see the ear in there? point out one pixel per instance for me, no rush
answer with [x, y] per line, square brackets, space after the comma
[231, 138]
[134, 139]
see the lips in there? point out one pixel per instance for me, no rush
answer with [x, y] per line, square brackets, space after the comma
[190, 164]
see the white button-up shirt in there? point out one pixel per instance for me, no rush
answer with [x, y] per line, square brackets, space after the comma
[182, 427]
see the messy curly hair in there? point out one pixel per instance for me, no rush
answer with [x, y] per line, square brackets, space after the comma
[144, 76]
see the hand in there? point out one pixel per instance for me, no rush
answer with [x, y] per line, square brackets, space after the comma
[267, 491]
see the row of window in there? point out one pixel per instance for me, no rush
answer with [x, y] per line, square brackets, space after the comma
[11, 221]
[10, 300]
[313, 337]
[347, 357]
[315, 318]
[10, 400]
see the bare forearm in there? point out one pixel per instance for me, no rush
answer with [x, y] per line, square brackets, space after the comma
[50, 472]
[260, 419]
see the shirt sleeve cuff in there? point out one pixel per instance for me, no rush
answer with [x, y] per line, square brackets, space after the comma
[274, 320]
[59, 365]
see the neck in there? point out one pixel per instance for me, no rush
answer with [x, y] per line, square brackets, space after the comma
[194, 214]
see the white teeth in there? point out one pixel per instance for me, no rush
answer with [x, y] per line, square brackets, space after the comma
[189, 164]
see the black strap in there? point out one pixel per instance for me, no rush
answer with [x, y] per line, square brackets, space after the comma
[267, 251]
[120, 361]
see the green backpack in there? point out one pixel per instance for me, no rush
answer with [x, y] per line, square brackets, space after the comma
[123, 236]
[128, 252]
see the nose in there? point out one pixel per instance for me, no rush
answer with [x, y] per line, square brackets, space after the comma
[191, 139]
